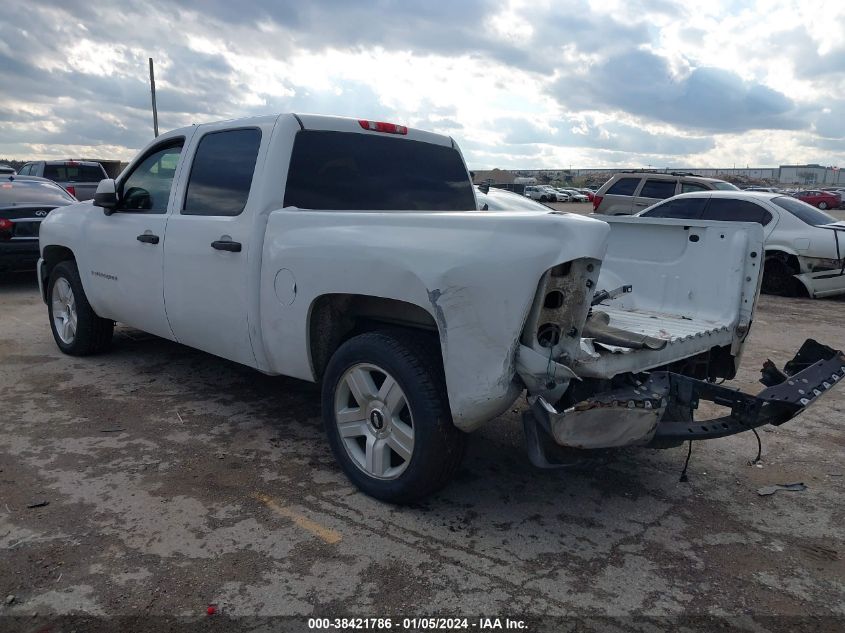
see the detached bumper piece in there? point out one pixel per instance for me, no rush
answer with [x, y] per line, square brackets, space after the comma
[657, 412]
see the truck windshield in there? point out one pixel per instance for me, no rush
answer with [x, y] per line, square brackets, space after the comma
[351, 171]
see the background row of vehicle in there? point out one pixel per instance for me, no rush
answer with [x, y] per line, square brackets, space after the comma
[79, 178]
[805, 247]
[547, 193]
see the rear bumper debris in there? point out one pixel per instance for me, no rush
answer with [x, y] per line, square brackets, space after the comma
[637, 415]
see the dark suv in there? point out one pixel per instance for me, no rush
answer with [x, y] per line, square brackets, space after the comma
[627, 193]
[79, 178]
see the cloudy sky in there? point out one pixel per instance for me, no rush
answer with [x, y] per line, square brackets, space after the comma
[518, 84]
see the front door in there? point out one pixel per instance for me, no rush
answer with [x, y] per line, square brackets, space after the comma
[123, 264]
[209, 244]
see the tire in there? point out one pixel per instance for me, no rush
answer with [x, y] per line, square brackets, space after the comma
[778, 277]
[822, 205]
[544, 198]
[77, 329]
[378, 421]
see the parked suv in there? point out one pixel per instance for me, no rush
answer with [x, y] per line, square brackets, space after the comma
[79, 178]
[627, 193]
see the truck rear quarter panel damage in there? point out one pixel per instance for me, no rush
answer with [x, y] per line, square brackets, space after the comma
[476, 274]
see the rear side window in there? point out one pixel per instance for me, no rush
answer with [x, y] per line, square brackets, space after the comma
[658, 189]
[681, 208]
[803, 211]
[721, 185]
[688, 187]
[74, 173]
[729, 210]
[350, 171]
[222, 173]
[623, 187]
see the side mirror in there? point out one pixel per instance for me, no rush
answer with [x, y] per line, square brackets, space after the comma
[106, 196]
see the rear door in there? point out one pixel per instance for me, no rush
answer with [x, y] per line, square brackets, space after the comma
[654, 190]
[207, 289]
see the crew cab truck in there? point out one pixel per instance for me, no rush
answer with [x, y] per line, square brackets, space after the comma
[350, 252]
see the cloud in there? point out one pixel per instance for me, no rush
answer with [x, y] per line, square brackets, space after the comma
[516, 82]
[643, 84]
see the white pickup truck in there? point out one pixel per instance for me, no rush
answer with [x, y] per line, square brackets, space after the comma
[350, 252]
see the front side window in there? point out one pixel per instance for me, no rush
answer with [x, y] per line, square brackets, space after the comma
[147, 188]
[658, 189]
[726, 209]
[623, 187]
[357, 171]
[222, 172]
[681, 208]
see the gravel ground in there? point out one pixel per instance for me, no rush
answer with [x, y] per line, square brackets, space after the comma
[173, 479]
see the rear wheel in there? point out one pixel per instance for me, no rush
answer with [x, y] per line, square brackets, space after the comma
[77, 329]
[822, 205]
[387, 416]
[778, 277]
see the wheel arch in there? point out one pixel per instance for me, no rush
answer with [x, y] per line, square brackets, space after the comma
[52, 255]
[335, 318]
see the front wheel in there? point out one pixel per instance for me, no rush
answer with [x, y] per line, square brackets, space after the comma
[387, 416]
[77, 329]
[822, 205]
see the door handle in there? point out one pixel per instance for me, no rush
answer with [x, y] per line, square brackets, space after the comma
[641, 204]
[148, 238]
[227, 245]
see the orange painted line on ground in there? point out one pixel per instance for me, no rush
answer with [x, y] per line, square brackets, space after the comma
[323, 533]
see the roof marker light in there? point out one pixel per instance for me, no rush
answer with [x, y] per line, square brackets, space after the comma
[380, 126]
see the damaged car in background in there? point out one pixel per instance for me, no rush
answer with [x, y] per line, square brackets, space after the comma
[352, 253]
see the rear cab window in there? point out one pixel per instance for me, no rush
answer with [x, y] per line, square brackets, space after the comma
[74, 173]
[355, 171]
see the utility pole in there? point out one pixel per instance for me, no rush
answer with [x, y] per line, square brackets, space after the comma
[153, 93]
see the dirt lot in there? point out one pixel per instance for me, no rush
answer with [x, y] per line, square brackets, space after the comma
[175, 479]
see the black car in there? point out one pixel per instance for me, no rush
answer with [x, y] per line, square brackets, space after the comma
[24, 202]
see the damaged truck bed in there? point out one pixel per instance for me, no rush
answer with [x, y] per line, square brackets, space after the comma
[651, 350]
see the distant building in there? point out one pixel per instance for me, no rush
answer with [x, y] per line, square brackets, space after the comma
[814, 175]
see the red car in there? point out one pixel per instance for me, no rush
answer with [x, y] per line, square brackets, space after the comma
[820, 199]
